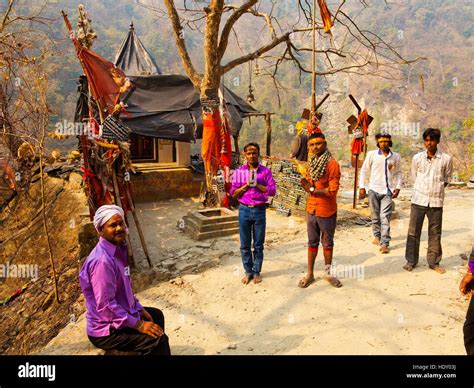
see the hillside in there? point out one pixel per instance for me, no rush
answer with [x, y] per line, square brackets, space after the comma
[436, 91]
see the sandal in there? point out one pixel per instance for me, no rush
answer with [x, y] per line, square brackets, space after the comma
[303, 283]
[335, 282]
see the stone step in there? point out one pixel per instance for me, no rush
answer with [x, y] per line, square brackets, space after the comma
[213, 216]
[194, 224]
[210, 223]
[214, 234]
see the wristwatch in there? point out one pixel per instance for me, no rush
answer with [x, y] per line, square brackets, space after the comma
[311, 189]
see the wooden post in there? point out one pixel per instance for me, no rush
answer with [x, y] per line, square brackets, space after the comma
[119, 203]
[236, 145]
[359, 110]
[365, 146]
[355, 181]
[268, 121]
[137, 223]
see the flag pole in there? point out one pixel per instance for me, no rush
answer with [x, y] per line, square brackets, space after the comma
[313, 82]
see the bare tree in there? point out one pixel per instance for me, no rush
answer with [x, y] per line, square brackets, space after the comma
[24, 112]
[23, 51]
[351, 49]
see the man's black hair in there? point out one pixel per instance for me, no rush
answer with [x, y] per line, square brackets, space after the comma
[379, 135]
[433, 133]
[252, 145]
[317, 135]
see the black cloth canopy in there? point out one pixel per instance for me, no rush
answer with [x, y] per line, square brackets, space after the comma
[133, 58]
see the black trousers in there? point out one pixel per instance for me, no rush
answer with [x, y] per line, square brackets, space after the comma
[130, 340]
[435, 218]
[468, 329]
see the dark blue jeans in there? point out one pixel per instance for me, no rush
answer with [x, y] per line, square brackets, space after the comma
[252, 222]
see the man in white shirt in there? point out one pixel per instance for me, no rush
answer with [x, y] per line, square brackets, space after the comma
[380, 169]
[431, 171]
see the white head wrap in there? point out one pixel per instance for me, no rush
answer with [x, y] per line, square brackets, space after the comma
[105, 213]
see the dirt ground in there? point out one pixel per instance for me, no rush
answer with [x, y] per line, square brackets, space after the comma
[381, 309]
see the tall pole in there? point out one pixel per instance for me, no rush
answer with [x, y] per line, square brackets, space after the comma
[268, 122]
[118, 201]
[354, 198]
[313, 83]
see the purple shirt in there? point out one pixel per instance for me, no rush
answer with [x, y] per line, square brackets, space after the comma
[253, 196]
[107, 289]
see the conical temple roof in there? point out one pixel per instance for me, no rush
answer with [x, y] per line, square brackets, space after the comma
[133, 58]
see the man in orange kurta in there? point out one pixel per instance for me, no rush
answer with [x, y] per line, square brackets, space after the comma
[322, 184]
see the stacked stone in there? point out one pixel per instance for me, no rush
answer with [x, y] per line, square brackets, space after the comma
[289, 195]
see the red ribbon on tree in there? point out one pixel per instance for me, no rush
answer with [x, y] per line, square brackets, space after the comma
[211, 141]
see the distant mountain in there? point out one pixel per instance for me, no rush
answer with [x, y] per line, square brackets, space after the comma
[433, 92]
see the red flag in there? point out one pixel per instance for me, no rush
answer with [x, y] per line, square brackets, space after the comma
[105, 79]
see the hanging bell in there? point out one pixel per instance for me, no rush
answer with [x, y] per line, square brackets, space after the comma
[250, 96]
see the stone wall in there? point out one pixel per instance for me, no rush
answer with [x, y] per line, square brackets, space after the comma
[290, 196]
[178, 182]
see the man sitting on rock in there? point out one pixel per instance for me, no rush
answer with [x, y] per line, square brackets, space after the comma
[115, 318]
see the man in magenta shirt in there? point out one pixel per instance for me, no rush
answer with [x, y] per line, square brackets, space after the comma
[115, 318]
[252, 184]
[467, 287]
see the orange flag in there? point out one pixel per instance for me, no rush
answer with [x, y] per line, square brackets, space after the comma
[211, 141]
[325, 15]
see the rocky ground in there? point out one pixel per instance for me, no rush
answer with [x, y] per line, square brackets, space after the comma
[381, 309]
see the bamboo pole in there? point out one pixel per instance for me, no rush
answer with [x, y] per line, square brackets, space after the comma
[45, 227]
[43, 202]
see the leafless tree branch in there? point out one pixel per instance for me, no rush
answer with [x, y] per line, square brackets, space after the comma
[180, 42]
[224, 39]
